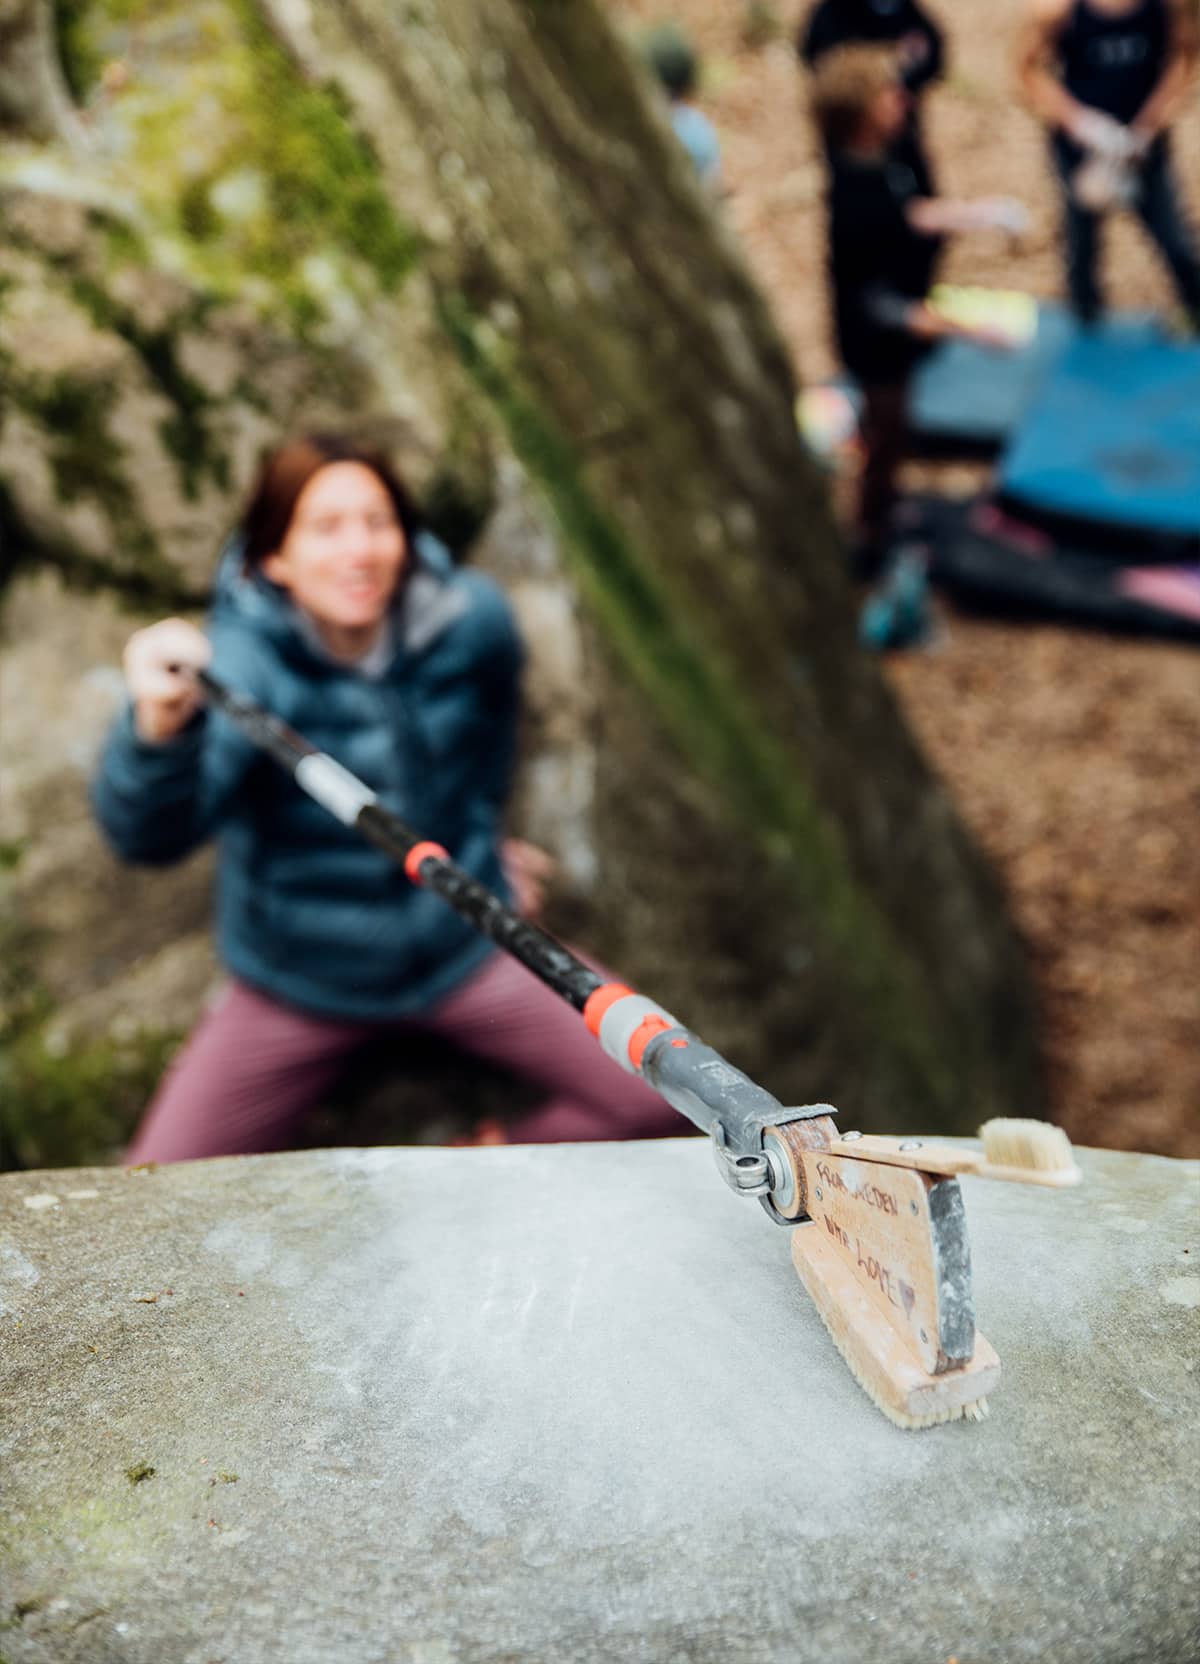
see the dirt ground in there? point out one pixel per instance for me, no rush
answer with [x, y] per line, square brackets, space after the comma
[1074, 756]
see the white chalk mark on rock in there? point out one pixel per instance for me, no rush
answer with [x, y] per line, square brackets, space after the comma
[1181, 1291]
[15, 1268]
[526, 1306]
[44, 1199]
[573, 1302]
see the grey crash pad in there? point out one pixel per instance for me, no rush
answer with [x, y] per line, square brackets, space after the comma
[571, 1404]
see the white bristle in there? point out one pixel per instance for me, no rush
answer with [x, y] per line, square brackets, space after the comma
[1038, 1145]
[975, 1411]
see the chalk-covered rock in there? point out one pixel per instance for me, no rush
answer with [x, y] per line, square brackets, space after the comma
[571, 1403]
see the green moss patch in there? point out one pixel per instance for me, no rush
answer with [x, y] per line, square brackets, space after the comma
[63, 1104]
[78, 1106]
[257, 173]
[87, 464]
[81, 59]
[186, 433]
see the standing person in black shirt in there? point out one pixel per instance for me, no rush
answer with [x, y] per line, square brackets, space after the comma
[901, 24]
[1108, 77]
[885, 238]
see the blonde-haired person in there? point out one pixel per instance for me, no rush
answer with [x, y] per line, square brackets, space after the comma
[905, 26]
[885, 239]
[1108, 77]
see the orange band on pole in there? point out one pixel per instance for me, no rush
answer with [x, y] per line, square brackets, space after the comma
[642, 1036]
[422, 852]
[598, 1002]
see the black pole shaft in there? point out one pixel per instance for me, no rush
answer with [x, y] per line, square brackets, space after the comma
[536, 949]
[695, 1080]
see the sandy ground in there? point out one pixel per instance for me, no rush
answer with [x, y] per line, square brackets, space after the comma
[1075, 757]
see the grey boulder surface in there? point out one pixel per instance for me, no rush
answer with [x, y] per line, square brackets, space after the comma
[438, 1406]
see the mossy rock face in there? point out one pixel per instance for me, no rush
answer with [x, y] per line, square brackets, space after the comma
[251, 170]
[147, 362]
[224, 265]
[146, 365]
[75, 1105]
[136, 406]
[93, 993]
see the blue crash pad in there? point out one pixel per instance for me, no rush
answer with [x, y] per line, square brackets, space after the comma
[973, 397]
[1113, 439]
[966, 399]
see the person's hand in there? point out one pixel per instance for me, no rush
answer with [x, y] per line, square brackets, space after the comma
[912, 49]
[1102, 134]
[157, 661]
[991, 337]
[1003, 213]
[1101, 183]
[528, 870]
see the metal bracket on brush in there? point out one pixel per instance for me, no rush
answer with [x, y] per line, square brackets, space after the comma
[697, 1081]
[749, 1175]
[758, 1171]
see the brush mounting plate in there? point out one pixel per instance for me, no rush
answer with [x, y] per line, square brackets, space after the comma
[902, 1236]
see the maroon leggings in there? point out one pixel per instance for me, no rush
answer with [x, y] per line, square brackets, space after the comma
[252, 1067]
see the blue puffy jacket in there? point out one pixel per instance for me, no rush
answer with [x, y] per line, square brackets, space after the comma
[307, 910]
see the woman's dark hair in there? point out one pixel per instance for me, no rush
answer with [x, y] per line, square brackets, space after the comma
[287, 470]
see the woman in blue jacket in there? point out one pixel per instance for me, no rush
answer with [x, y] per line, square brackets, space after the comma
[339, 614]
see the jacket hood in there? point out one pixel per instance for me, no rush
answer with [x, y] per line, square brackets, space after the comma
[426, 603]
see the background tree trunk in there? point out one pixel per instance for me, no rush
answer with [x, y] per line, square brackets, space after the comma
[599, 304]
[34, 101]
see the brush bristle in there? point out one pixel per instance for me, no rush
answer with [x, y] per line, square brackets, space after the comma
[891, 1376]
[975, 1411]
[1037, 1145]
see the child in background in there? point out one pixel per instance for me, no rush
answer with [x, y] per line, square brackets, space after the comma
[885, 240]
[901, 24]
[675, 64]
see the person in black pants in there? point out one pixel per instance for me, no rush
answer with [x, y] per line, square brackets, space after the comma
[1108, 77]
[902, 24]
[885, 238]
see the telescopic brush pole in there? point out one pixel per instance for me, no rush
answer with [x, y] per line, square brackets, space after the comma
[642, 1037]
